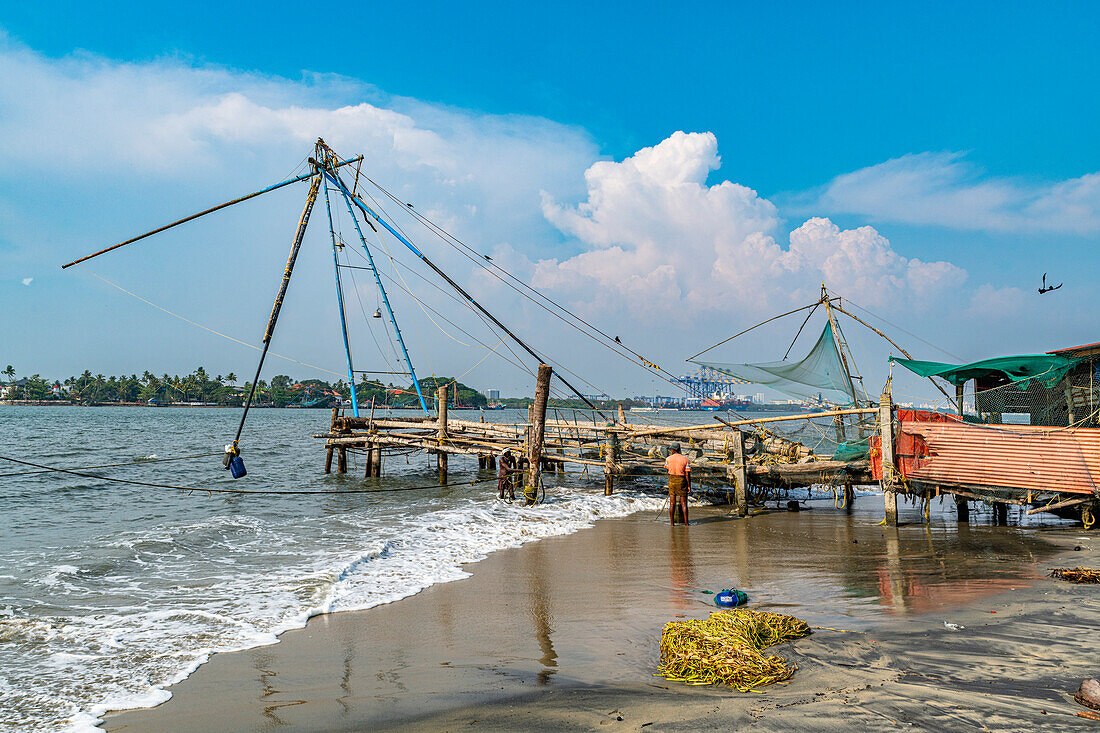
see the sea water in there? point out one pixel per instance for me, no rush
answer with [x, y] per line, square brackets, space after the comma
[111, 592]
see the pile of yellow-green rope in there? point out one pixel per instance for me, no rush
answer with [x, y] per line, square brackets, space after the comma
[1077, 575]
[726, 649]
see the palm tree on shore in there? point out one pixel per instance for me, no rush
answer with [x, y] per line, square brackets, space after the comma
[9, 372]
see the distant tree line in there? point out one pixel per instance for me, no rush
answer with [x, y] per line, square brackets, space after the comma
[200, 387]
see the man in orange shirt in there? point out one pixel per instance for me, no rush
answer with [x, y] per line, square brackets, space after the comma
[679, 482]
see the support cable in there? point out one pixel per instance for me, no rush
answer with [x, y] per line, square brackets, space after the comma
[369, 212]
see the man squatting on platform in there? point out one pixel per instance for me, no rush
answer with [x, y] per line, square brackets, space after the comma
[679, 482]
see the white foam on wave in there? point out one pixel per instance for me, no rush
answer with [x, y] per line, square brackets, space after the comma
[139, 651]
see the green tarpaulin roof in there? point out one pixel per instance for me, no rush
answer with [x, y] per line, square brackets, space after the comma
[1046, 368]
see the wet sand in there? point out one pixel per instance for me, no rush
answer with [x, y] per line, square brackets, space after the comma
[563, 634]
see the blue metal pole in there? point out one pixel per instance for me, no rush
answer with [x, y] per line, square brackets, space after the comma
[385, 298]
[458, 288]
[340, 298]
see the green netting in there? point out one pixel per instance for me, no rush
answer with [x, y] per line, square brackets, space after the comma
[819, 375]
[1043, 368]
[853, 450]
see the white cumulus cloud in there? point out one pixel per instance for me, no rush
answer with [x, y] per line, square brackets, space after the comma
[657, 235]
[944, 189]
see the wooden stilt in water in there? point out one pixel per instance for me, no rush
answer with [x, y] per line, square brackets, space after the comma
[368, 468]
[963, 509]
[341, 459]
[740, 474]
[610, 459]
[849, 497]
[441, 457]
[886, 428]
[538, 424]
[377, 460]
[492, 462]
[331, 429]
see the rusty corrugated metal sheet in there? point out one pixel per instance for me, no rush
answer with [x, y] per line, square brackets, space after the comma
[1019, 456]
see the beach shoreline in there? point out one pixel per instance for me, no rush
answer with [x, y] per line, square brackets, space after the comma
[563, 633]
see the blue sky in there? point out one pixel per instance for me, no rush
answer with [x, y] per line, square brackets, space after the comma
[963, 138]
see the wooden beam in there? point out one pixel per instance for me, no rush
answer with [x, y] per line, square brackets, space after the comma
[1060, 505]
[757, 421]
[740, 474]
[538, 424]
[886, 429]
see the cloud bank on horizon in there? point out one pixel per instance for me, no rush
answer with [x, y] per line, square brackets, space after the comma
[632, 240]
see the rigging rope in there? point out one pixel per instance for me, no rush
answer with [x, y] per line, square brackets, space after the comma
[489, 267]
[293, 492]
[205, 328]
[139, 462]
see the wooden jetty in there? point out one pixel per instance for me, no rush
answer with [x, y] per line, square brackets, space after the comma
[730, 455]
[1049, 464]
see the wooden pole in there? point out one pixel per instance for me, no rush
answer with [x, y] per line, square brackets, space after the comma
[328, 459]
[376, 460]
[441, 457]
[740, 474]
[959, 396]
[886, 427]
[610, 460]
[341, 459]
[368, 468]
[538, 424]
[836, 342]
[757, 421]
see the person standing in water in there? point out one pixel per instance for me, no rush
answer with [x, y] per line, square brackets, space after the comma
[505, 475]
[679, 482]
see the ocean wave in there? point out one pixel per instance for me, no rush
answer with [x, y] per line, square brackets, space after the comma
[236, 581]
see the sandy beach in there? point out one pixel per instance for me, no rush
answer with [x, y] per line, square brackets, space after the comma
[563, 634]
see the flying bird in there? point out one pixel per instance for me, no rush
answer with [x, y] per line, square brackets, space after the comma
[1047, 288]
[28, 280]
[487, 257]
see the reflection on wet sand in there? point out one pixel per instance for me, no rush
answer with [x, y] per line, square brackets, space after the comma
[680, 568]
[540, 613]
[588, 609]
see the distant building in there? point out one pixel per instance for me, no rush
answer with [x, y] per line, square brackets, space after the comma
[8, 388]
[493, 394]
[758, 398]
